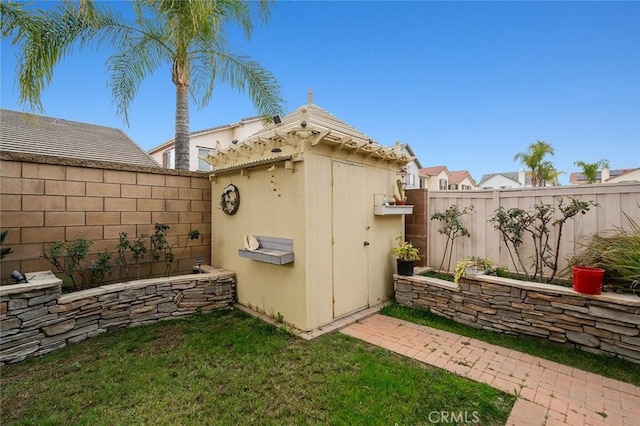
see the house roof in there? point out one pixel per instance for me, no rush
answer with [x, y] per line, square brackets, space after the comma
[171, 142]
[410, 151]
[509, 175]
[459, 175]
[579, 176]
[432, 171]
[37, 134]
[277, 142]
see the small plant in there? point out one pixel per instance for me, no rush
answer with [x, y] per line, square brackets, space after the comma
[405, 251]
[452, 228]
[478, 264]
[511, 224]
[194, 234]
[399, 199]
[4, 251]
[101, 267]
[138, 252]
[515, 223]
[67, 257]
[158, 249]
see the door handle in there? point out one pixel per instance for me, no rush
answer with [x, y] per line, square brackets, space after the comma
[366, 243]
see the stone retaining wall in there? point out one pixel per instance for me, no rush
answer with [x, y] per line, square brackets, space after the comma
[609, 323]
[35, 318]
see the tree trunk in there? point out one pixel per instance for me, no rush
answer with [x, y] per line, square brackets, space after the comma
[182, 128]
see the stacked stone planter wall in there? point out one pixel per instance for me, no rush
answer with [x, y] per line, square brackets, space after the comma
[609, 323]
[35, 318]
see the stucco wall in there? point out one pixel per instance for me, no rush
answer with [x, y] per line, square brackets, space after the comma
[271, 204]
[46, 199]
[608, 323]
[35, 318]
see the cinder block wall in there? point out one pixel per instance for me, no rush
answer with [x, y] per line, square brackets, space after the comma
[416, 225]
[45, 199]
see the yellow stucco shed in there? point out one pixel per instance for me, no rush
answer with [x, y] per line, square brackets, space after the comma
[308, 191]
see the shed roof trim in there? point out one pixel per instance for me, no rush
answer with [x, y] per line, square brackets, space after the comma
[308, 123]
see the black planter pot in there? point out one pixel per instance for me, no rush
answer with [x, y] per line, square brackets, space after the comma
[405, 268]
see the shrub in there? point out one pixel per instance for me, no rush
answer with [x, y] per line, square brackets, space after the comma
[67, 257]
[514, 223]
[4, 251]
[70, 257]
[452, 228]
[617, 252]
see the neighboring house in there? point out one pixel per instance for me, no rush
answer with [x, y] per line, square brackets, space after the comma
[505, 180]
[412, 169]
[36, 134]
[461, 180]
[435, 178]
[607, 176]
[439, 178]
[203, 142]
[628, 175]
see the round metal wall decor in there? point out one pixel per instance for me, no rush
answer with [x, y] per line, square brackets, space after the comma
[230, 199]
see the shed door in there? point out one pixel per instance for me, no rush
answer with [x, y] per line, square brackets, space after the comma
[350, 254]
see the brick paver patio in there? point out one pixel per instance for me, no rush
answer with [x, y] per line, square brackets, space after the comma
[548, 393]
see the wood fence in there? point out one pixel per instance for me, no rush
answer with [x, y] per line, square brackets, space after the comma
[614, 202]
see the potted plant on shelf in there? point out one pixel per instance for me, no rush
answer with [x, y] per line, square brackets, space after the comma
[406, 255]
[400, 200]
[472, 266]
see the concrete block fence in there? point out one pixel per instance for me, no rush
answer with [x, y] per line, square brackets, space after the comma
[607, 323]
[46, 199]
[36, 318]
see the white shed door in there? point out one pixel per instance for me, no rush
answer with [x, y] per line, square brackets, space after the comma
[350, 253]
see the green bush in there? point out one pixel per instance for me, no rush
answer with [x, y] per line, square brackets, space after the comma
[618, 253]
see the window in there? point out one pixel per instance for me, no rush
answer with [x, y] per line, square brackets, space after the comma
[466, 187]
[410, 180]
[423, 182]
[453, 186]
[443, 185]
[168, 159]
[203, 165]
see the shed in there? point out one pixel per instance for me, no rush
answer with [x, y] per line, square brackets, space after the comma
[310, 189]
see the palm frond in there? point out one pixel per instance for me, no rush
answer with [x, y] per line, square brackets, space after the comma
[134, 61]
[247, 76]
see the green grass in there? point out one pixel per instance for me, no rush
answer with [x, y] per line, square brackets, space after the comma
[603, 365]
[228, 368]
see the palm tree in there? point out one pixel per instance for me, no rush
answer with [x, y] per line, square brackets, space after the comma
[590, 170]
[533, 158]
[549, 174]
[187, 34]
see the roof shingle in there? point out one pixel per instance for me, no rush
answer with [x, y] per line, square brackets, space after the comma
[36, 134]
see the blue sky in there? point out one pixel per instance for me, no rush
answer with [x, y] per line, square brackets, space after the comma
[466, 84]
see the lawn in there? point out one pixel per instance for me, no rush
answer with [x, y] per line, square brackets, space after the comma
[226, 368]
[603, 365]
